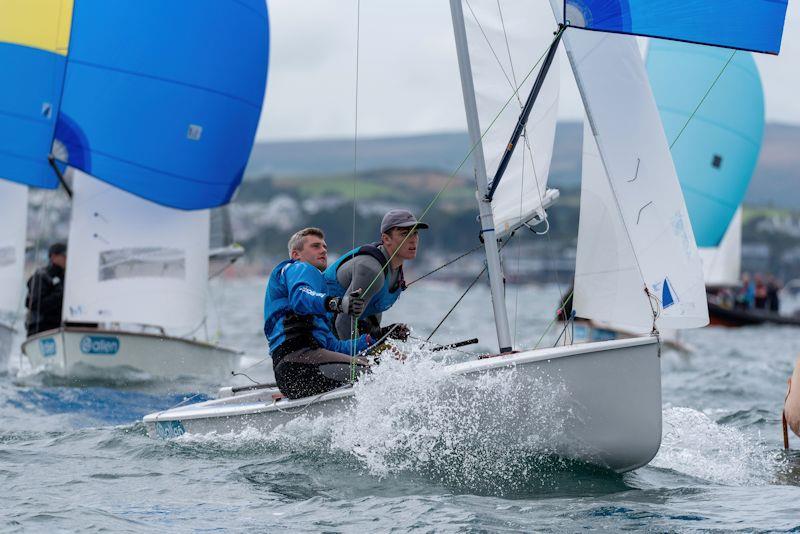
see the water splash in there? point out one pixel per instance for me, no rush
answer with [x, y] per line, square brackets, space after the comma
[487, 430]
[695, 445]
[493, 432]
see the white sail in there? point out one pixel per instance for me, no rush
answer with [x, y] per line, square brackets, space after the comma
[641, 191]
[134, 261]
[14, 213]
[722, 265]
[506, 39]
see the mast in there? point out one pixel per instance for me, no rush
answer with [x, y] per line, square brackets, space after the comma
[484, 204]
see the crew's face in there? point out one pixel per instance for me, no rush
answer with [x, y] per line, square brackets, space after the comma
[315, 252]
[403, 240]
[59, 259]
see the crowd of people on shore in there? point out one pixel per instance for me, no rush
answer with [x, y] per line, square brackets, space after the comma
[756, 292]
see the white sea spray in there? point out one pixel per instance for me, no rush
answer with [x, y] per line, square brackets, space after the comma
[695, 445]
[478, 430]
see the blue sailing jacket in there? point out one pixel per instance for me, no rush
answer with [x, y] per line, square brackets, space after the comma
[296, 291]
[380, 301]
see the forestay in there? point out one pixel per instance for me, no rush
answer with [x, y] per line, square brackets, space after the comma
[506, 39]
[634, 181]
[755, 25]
[133, 261]
[14, 210]
[715, 153]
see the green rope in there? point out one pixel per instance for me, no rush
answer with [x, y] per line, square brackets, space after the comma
[703, 99]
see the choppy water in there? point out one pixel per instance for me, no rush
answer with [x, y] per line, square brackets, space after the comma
[78, 459]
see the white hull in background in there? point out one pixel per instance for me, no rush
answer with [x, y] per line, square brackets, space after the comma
[6, 340]
[609, 412]
[97, 353]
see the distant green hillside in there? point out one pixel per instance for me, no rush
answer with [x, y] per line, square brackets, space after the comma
[329, 163]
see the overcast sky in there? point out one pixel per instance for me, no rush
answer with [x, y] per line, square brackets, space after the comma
[408, 72]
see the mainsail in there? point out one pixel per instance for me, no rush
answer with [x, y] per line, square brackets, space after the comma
[715, 146]
[14, 210]
[133, 261]
[506, 40]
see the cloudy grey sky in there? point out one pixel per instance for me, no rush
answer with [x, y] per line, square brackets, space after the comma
[408, 75]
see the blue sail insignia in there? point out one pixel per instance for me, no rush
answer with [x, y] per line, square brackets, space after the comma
[667, 298]
[755, 25]
[715, 153]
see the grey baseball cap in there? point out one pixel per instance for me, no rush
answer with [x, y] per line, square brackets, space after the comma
[400, 219]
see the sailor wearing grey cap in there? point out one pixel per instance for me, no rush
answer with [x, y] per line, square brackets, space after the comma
[381, 262]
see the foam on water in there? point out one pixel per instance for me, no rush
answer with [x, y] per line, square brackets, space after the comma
[697, 446]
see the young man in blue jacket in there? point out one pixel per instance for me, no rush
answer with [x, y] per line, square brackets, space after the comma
[308, 359]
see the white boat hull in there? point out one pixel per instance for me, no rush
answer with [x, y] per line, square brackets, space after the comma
[97, 353]
[6, 341]
[585, 331]
[609, 412]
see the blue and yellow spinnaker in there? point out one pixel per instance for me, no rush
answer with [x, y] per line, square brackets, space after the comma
[160, 99]
[34, 35]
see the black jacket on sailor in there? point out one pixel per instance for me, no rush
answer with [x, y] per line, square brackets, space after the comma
[44, 300]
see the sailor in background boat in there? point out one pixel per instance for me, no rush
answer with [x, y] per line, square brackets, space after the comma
[378, 267]
[307, 357]
[46, 292]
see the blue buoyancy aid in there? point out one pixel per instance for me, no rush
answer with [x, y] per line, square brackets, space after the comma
[380, 301]
[294, 309]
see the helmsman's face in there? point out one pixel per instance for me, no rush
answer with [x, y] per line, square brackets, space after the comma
[314, 252]
[403, 240]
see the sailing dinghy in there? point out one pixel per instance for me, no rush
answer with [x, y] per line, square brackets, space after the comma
[155, 122]
[638, 257]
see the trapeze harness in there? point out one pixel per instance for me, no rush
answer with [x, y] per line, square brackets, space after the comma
[380, 301]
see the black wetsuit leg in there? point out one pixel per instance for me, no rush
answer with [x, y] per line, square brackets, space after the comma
[311, 371]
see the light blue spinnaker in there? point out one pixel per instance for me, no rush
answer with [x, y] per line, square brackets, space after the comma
[717, 151]
[755, 25]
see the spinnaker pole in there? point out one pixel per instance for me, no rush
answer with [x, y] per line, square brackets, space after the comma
[484, 205]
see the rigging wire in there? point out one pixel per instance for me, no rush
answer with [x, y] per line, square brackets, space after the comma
[446, 264]
[354, 320]
[711, 87]
[464, 294]
[454, 306]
